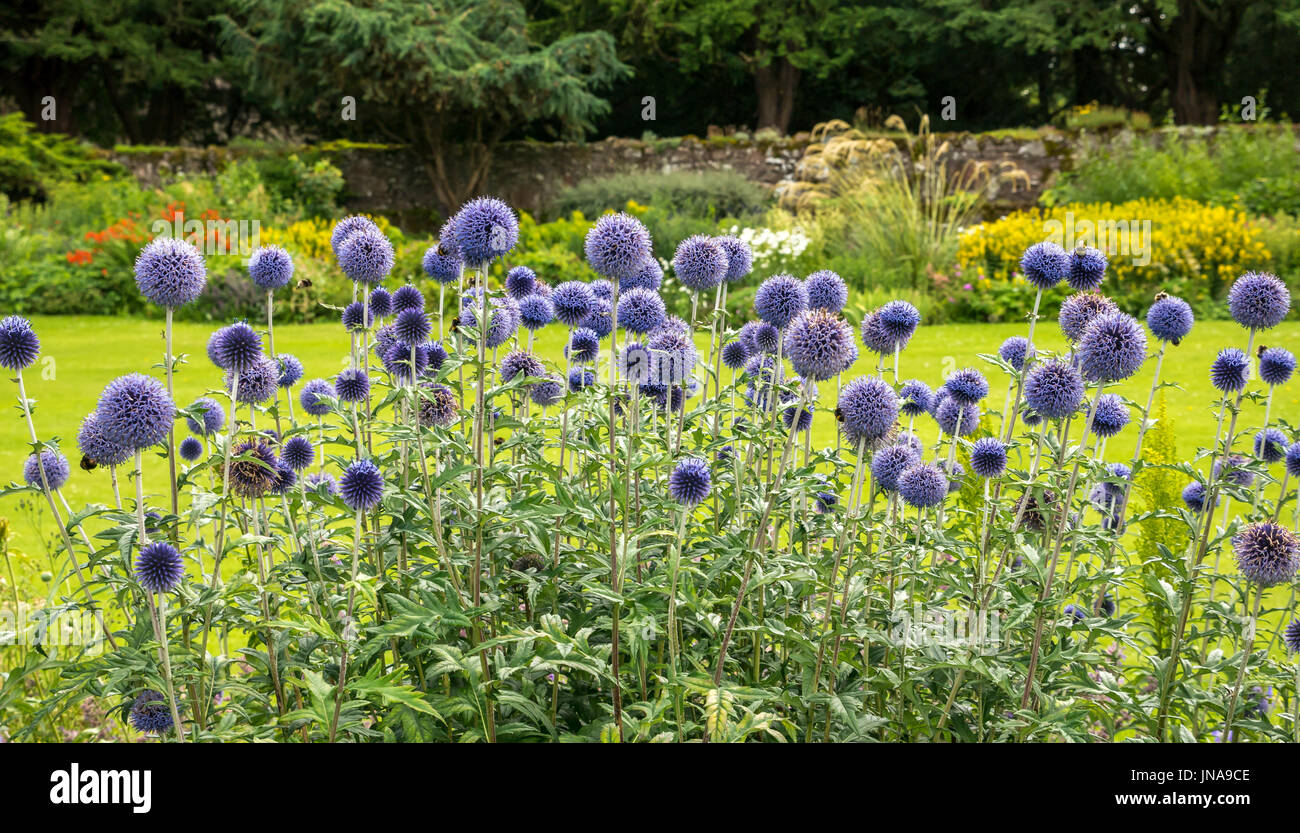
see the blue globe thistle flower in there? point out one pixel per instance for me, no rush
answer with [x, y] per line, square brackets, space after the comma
[826, 290]
[868, 409]
[1233, 470]
[1106, 494]
[252, 469]
[735, 354]
[170, 272]
[1112, 348]
[766, 338]
[910, 440]
[581, 377]
[649, 275]
[297, 453]
[441, 264]
[889, 463]
[793, 411]
[1258, 300]
[256, 384]
[636, 363]
[56, 469]
[1075, 612]
[484, 229]
[547, 392]
[573, 301]
[158, 567]
[1045, 265]
[600, 320]
[352, 385]
[874, 336]
[1054, 390]
[381, 302]
[315, 397]
[285, 479]
[603, 289]
[356, 317]
[150, 713]
[412, 326]
[397, 361]
[323, 483]
[407, 297]
[520, 282]
[1015, 350]
[19, 345]
[690, 481]
[438, 406]
[503, 320]
[1110, 417]
[674, 354]
[1194, 497]
[936, 401]
[988, 457]
[1270, 445]
[779, 299]
[916, 397]
[617, 245]
[1170, 318]
[699, 263]
[535, 311]
[237, 347]
[366, 256]
[290, 370]
[519, 363]
[1293, 459]
[1087, 269]
[955, 474]
[348, 226]
[1079, 310]
[826, 503]
[135, 412]
[818, 343]
[967, 385]
[362, 486]
[1291, 637]
[213, 416]
[93, 444]
[898, 320]
[1268, 554]
[1030, 418]
[740, 259]
[1230, 370]
[583, 346]
[1275, 365]
[270, 267]
[922, 486]
[640, 311]
[957, 417]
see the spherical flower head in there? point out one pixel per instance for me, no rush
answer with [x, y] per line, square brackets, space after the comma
[1045, 265]
[779, 299]
[412, 326]
[1233, 470]
[1079, 310]
[352, 384]
[794, 413]
[573, 302]
[583, 346]
[348, 226]
[519, 363]
[356, 317]
[323, 483]
[290, 370]
[699, 263]
[601, 319]
[1015, 350]
[190, 449]
[407, 297]
[95, 445]
[485, 228]
[1293, 459]
[1087, 269]
[362, 486]
[150, 713]
[535, 311]
[916, 397]
[674, 354]
[967, 385]
[19, 345]
[617, 245]
[256, 384]
[988, 457]
[438, 405]
[158, 567]
[636, 363]
[936, 402]
[170, 272]
[766, 338]
[640, 311]
[1268, 554]
[826, 502]
[503, 320]
[285, 479]
[955, 473]
[740, 259]
[602, 289]
[1259, 300]
[520, 282]
[1110, 415]
[922, 486]
[1291, 637]
[690, 481]
[270, 267]
[1270, 445]
[957, 418]
[1194, 497]
[56, 469]
[874, 336]
[297, 453]
[252, 469]
[1030, 417]
[212, 414]
[237, 347]
[581, 377]
[441, 265]
[826, 290]
[1230, 370]
[381, 302]
[1054, 390]
[315, 397]
[818, 343]
[1112, 348]
[889, 463]
[868, 409]
[547, 392]
[135, 411]
[366, 256]
[1170, 319]
[898, 320]
[1276, 365]
[735, 354]
[649, 275]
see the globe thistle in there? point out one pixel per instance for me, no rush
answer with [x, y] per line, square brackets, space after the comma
[56, 469]
[640, 311]
[438, 406]
[699, 263]
[135, 412]
[150, 713]
[1270, 445]
[381, 302]
[1275, 365]
[1110, 415]
[1107, 494]
[1030, 417]
[315, 397]
[352, 384]
[535, 311]
[412, 326]
[602, 289]
[94, 445]
[256, 384]
[868, 409]
[874, 336]
[922, 486]
[356, 317]
[1258, 300]
[690, 482]
[1230, 370]
[779, 299]
[826, 502]
[957, 418]
[519, 363]
[1234, 471]
[323, 482]
[1054, 390]
[441, 264]
[600, 320]
[366, 256]
[348, 226]
[1045, 265]
[617, 245]
[674, 354]
[252, 469]
[397, 361]
[1034, 511]
[503, 320]
[212, 414]
[1170, 318]
[290, 370]
[1291, 638]
[285, 479]
[818, 343]
[649, 275]
[270, 267]
[889, 463]
[484, 229]
[766, 338]
[170, 272]
[236, 348]
[795, 412]
[573, 302]
[898, 320]
[735, 354]
[158, 567]
[1087, 268]
[1079, 310]
[740, 258]
[581, 377]
[19, 345]
[826, 290]
[1268, 554]
[988, 457]
[955, 474]
[1112, 348]
[1293, 459]
[520, 282]
[940, 396]
[1015, 350]
[967, 385]
[636, 363]
[362, 486]
[297, 453]
[547, 392]
[583, 346]
[407, 297]
[1075, 612]
[916, 397]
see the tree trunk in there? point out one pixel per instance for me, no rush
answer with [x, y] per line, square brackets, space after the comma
[775, 83]
[1198, 41]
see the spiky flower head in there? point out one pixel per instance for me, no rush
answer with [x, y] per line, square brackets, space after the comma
[580, 378]
[158, 567]
[270, 267]
[1293, 459]
[315, 397]
[765, 337]
[957, 418]
[257, 383]
[699, 263]
[236, 347]
[1291, 637]
[1268, 554]
[1045, 265]
[779, 299]
[1054, 389]
[352, 384]
[1015, 350]
[922, 486]
[55, 465]
[1112, 348]
[190, 449]
[1079, 310]
[826, 290]
[1259, 300]
[1087, 268]
[889, 463]
[916, 397]
[520, 363]
[347, 227]
[735, 354]
[94, 444]
[1275, 365]
[826, 502]
[583, 346]
[649, 275]
[874, 336]
[740, 259]
[1233, 470]
[573, 301]
[898, 320]
[438, 405]
[988, 457]
[818, 343]
[601, 318]
[211, 412]
[1110, 415]
[412, 326]
[690, 481]
[955, 474]
[967, 385]
[381, 302]
[535, 311]
[1270, 445]
[484, 229]
[674, 354]
[323, 482]
[442, 264]
[503, 320]
[547, 392]
[290, 370]
[1170, 318]
[356, 317]
[1230, 370]
[252, 468]
[617, 245]
[868, 409]
[640, 310]
[19, 345]
[366, 256]
[362, 486]
[170, 272]
[150, 713]
[407, 297]
[135, 411]
[297, 453]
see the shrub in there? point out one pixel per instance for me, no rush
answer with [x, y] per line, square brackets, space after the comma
[696, 193]
[32, 162]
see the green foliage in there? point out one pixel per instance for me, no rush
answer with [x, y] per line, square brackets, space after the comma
[700, 194]
[1157, 493]
[31, 162]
